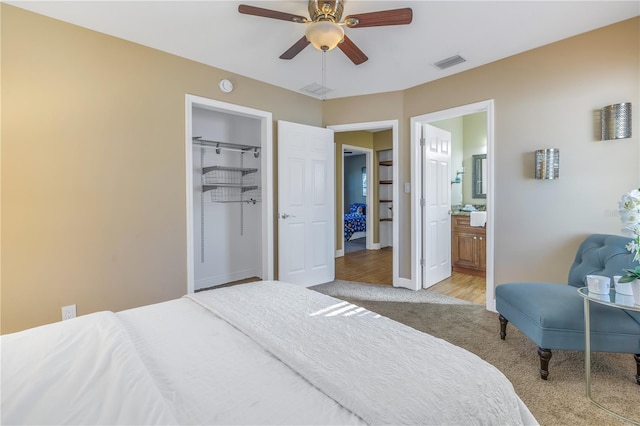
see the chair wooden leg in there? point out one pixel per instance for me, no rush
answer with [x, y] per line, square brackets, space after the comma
[545, 356]
[503, 327]
[637, 358]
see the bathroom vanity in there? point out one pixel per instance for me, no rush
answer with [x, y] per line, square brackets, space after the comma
[468, 245]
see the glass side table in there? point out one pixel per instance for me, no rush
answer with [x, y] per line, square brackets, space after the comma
[615, 300]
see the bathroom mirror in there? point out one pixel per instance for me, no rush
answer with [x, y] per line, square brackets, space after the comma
[479, 176]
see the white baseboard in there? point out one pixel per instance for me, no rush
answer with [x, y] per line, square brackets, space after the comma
[405, 282]
[340, 253]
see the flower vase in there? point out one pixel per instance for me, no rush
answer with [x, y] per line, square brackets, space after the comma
[622, 288]
[635, 289]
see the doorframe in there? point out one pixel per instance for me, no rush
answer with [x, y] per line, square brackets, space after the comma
[266, 152]
[416, 223]
[385, 125]
[368, 152]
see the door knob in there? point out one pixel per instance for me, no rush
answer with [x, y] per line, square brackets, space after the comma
[284, 215]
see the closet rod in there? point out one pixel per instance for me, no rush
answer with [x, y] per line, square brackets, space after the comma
[226, 146]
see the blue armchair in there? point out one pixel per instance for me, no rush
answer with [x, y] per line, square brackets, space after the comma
[552, 315]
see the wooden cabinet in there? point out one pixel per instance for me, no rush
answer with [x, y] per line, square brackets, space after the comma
[468, 246]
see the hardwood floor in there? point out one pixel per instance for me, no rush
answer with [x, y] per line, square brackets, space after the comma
[374, 266]
[366, 266]
[463, 286]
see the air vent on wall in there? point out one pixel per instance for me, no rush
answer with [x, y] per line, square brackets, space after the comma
[449, 62]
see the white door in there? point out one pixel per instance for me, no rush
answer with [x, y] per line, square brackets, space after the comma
[306, 204]
[436, 184]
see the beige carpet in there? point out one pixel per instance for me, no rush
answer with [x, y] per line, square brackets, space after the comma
[561, 399]
[383, 293]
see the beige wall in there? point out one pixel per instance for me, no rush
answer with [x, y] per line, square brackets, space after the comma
[93, 166]
[383, 140]
[546, 97]
[93, 179]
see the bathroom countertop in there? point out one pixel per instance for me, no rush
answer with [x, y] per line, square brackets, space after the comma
[458, 212]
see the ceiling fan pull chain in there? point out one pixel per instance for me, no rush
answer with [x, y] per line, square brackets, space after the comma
[324, 75]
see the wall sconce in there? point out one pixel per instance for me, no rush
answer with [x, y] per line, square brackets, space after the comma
[547, 163]
[616, 121]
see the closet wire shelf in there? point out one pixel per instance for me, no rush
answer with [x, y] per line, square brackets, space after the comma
[231, 184]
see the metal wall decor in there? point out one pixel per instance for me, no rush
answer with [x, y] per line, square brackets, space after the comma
[616, 121]
[548, 163]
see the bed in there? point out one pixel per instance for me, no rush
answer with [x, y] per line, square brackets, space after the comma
[355, 222]
[259, 353]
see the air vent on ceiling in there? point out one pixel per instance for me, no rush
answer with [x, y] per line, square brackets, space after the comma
[449, 62]
[315, 89]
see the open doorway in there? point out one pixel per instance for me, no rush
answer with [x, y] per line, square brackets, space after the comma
[374, 137]
[355, 222]
[463, 178]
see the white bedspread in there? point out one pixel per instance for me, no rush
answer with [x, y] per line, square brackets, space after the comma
[80, 371]
[265, 353]
[383, 371]
[212, 374]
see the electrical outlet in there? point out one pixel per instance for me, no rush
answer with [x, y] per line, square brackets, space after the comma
[68, 312]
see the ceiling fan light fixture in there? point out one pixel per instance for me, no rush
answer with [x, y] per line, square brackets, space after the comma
[324, 35]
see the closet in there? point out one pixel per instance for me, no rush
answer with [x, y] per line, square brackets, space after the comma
[227, 204]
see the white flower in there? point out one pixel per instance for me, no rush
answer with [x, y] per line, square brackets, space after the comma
[629, 209]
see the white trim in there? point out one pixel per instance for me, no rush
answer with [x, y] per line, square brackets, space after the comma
[368, 152]
[397, 282]
[483, 106]
[384, 125]
[266, 153]
[416, 213]
[188, 155]
[340, 253]
[405, 282]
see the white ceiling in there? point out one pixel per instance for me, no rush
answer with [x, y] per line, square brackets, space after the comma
[214, 33]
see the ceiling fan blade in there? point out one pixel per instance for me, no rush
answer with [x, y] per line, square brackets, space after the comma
[268, 13]
[295, 49]
[379, 19]
[352, 51]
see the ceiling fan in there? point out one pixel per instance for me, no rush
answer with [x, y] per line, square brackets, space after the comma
[324, 28]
